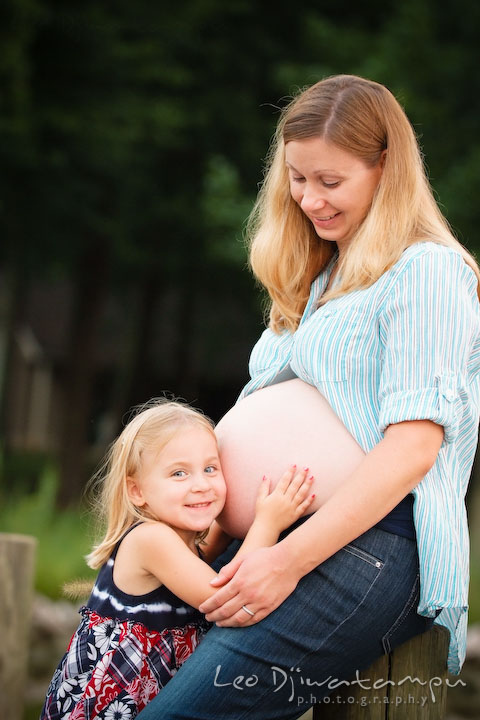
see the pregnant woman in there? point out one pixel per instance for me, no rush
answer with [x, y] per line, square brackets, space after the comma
[374, 309]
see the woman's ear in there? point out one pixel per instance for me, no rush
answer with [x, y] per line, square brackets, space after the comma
[134, 492]
[383, 157]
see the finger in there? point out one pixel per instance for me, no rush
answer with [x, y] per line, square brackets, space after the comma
[297, 482]
[226, 611]
[218, 608]
[263, 489]
[218, 599]
[286, 479]
[226, 573]
[237, 620]
[303, 490]
[305, 504]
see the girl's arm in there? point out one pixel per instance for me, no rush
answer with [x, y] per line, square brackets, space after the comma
[215, 543]
[267, 576]
[162, 553]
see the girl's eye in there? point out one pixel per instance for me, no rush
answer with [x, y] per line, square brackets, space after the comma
[210, 469]
[179, 473]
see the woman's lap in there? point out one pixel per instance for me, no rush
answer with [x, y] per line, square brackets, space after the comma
[341, 617]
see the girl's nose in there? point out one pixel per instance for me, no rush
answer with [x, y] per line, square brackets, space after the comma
[200, 482]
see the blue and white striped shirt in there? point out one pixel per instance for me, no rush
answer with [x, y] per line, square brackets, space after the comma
[406, 348]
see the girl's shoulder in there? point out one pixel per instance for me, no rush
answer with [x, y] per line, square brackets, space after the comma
[145, 555]
[148, 531]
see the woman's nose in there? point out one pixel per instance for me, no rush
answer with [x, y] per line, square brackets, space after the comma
[312, 199]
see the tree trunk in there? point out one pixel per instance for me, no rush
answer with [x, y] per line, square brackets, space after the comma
[91, 292]
[134, 371]
[17, 556]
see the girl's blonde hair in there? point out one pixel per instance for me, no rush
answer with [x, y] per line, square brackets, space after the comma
[363, 118]
[153, 425]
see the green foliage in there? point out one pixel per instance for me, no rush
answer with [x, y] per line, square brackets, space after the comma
[225, 210]
[64, 537]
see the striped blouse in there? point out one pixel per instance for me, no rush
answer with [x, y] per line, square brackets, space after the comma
[406, 348]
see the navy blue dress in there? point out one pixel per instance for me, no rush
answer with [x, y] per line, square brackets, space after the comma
[126, 648]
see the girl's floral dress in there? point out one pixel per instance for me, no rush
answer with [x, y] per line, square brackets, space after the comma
[126, 648]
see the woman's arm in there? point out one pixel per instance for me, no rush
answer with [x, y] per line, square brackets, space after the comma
[387, 474]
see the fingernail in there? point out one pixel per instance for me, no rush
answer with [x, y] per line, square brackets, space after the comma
[313, 496]
[311, 477]
[264, 477]
[293, 467]
[305, 469]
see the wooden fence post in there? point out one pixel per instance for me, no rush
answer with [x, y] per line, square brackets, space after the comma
[17, 560]
[410, 683]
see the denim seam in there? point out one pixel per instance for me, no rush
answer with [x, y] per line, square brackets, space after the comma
[401, 618]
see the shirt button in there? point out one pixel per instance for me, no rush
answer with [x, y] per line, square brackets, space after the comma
[449, 395]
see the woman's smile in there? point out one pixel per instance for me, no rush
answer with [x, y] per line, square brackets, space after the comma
[324, 221]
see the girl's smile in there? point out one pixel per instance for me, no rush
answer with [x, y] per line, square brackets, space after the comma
[183, 484]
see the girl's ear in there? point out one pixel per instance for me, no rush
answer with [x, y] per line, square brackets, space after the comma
[134, 492]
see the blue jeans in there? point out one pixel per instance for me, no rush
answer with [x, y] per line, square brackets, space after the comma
[355, 606]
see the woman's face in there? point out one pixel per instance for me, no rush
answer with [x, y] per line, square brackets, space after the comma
[333, 187]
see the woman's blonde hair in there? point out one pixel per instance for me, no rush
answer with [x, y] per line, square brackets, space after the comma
[153, 425]
[363, 118]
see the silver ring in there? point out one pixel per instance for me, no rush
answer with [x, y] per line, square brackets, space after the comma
[244, 607]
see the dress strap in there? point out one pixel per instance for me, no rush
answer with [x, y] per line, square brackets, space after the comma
[115, 549]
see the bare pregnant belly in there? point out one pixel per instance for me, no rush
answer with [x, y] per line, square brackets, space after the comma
[271, 429]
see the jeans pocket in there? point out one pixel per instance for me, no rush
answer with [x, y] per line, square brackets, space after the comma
[363, 555]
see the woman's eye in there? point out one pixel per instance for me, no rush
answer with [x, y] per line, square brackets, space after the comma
[298, 179]
[330, 184]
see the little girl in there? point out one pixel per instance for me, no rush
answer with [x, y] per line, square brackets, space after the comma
[162, 488]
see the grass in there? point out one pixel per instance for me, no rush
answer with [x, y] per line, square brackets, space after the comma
[64, 537]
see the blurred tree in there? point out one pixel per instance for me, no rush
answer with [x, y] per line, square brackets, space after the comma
[133, 144]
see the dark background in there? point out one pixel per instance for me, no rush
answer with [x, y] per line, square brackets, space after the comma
[132, 138]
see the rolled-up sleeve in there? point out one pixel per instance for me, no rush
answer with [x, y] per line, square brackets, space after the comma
[428, 323]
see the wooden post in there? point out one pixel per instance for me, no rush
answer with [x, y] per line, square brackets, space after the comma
[17, 554]
[408, 683]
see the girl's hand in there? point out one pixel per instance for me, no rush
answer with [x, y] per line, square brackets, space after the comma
[288, 500]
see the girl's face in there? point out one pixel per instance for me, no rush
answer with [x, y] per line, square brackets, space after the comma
[183, 484]
[333, 187]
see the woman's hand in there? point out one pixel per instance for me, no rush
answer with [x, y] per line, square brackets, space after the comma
[260, 581]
